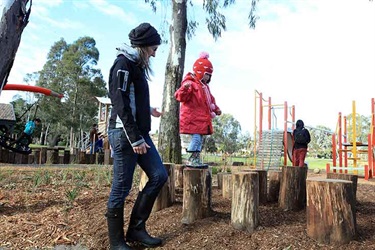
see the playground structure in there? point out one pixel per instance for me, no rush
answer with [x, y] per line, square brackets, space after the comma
[8, 118]
[271, 144]
[349, 148]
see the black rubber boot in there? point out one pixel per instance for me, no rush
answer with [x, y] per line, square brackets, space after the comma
[137, 227]
[115, 221]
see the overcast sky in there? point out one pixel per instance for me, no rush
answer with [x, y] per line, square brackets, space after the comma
[318, 55]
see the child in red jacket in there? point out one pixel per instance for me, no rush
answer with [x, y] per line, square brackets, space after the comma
[198, 107]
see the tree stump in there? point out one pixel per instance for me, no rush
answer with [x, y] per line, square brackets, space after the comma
[293, 188]
[274, 185]
[52, 156]
[37, 155]
[11, 156]
[100, 158]
[108, 160]
[196, 195]
[4, 155]
[227, 186]
[220, 179]
[21, 158]
[262, 184]
[245, 201]
[330, 212]
[43, 155]
[179, 175]
[81, 157]
[348, 177]
[66, 157]
[166, 195]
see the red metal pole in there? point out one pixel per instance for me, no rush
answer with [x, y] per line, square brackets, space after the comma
[340, 142]
[334, 151]
[285, 133]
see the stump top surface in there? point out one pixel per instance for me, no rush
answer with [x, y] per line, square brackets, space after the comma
[253, 170]
[224, 173]
[245, 172]
[322, 179]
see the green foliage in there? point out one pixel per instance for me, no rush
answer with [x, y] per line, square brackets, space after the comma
[362, 128]
[215, 170]
[321, 142]
[227, 130]
[71, 196]
[71, 69]
[209, 144]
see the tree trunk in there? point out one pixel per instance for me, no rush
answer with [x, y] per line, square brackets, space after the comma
[14, 19]
[245, 201]
[330, 211]
[169, 144]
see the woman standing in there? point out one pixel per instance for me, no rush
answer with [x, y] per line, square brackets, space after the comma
[128, 133]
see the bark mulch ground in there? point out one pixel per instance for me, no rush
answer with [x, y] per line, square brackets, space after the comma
[63, 208]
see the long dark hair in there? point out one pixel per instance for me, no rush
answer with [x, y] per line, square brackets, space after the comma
[300, 124]
[144, 61]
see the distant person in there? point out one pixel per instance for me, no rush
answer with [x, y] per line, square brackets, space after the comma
[28, 131]
[93, 137]
[99, 143]
[131, 144]
[198, 107]
[301, 138]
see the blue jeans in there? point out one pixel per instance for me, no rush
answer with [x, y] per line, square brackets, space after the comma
[124, 162]
[195, 143]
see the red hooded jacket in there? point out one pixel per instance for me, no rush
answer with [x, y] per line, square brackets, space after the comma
[195, 111]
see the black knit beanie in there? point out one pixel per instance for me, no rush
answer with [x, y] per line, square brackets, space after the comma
[144, 35]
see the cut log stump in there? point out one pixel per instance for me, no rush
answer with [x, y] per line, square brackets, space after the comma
[179, 173]
[262, 184]
[227, 186]
[245, 201]
[274, 185]
[348, 177]
[196, 195]
[166, 196]
[293, 188]
[330, 211]
[220, 179]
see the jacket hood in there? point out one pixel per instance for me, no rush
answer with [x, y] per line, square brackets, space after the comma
[128, 51]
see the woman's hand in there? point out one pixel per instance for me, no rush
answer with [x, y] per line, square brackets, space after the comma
[141, 149]
[155, 112]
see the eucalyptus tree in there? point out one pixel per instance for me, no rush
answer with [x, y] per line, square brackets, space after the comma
[227, 131]
[70, 69]
[14, 18]
[169, 143]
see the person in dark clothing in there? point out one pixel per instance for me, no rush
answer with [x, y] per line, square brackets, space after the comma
[302, 138]
[128, 134]
[93, 138]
